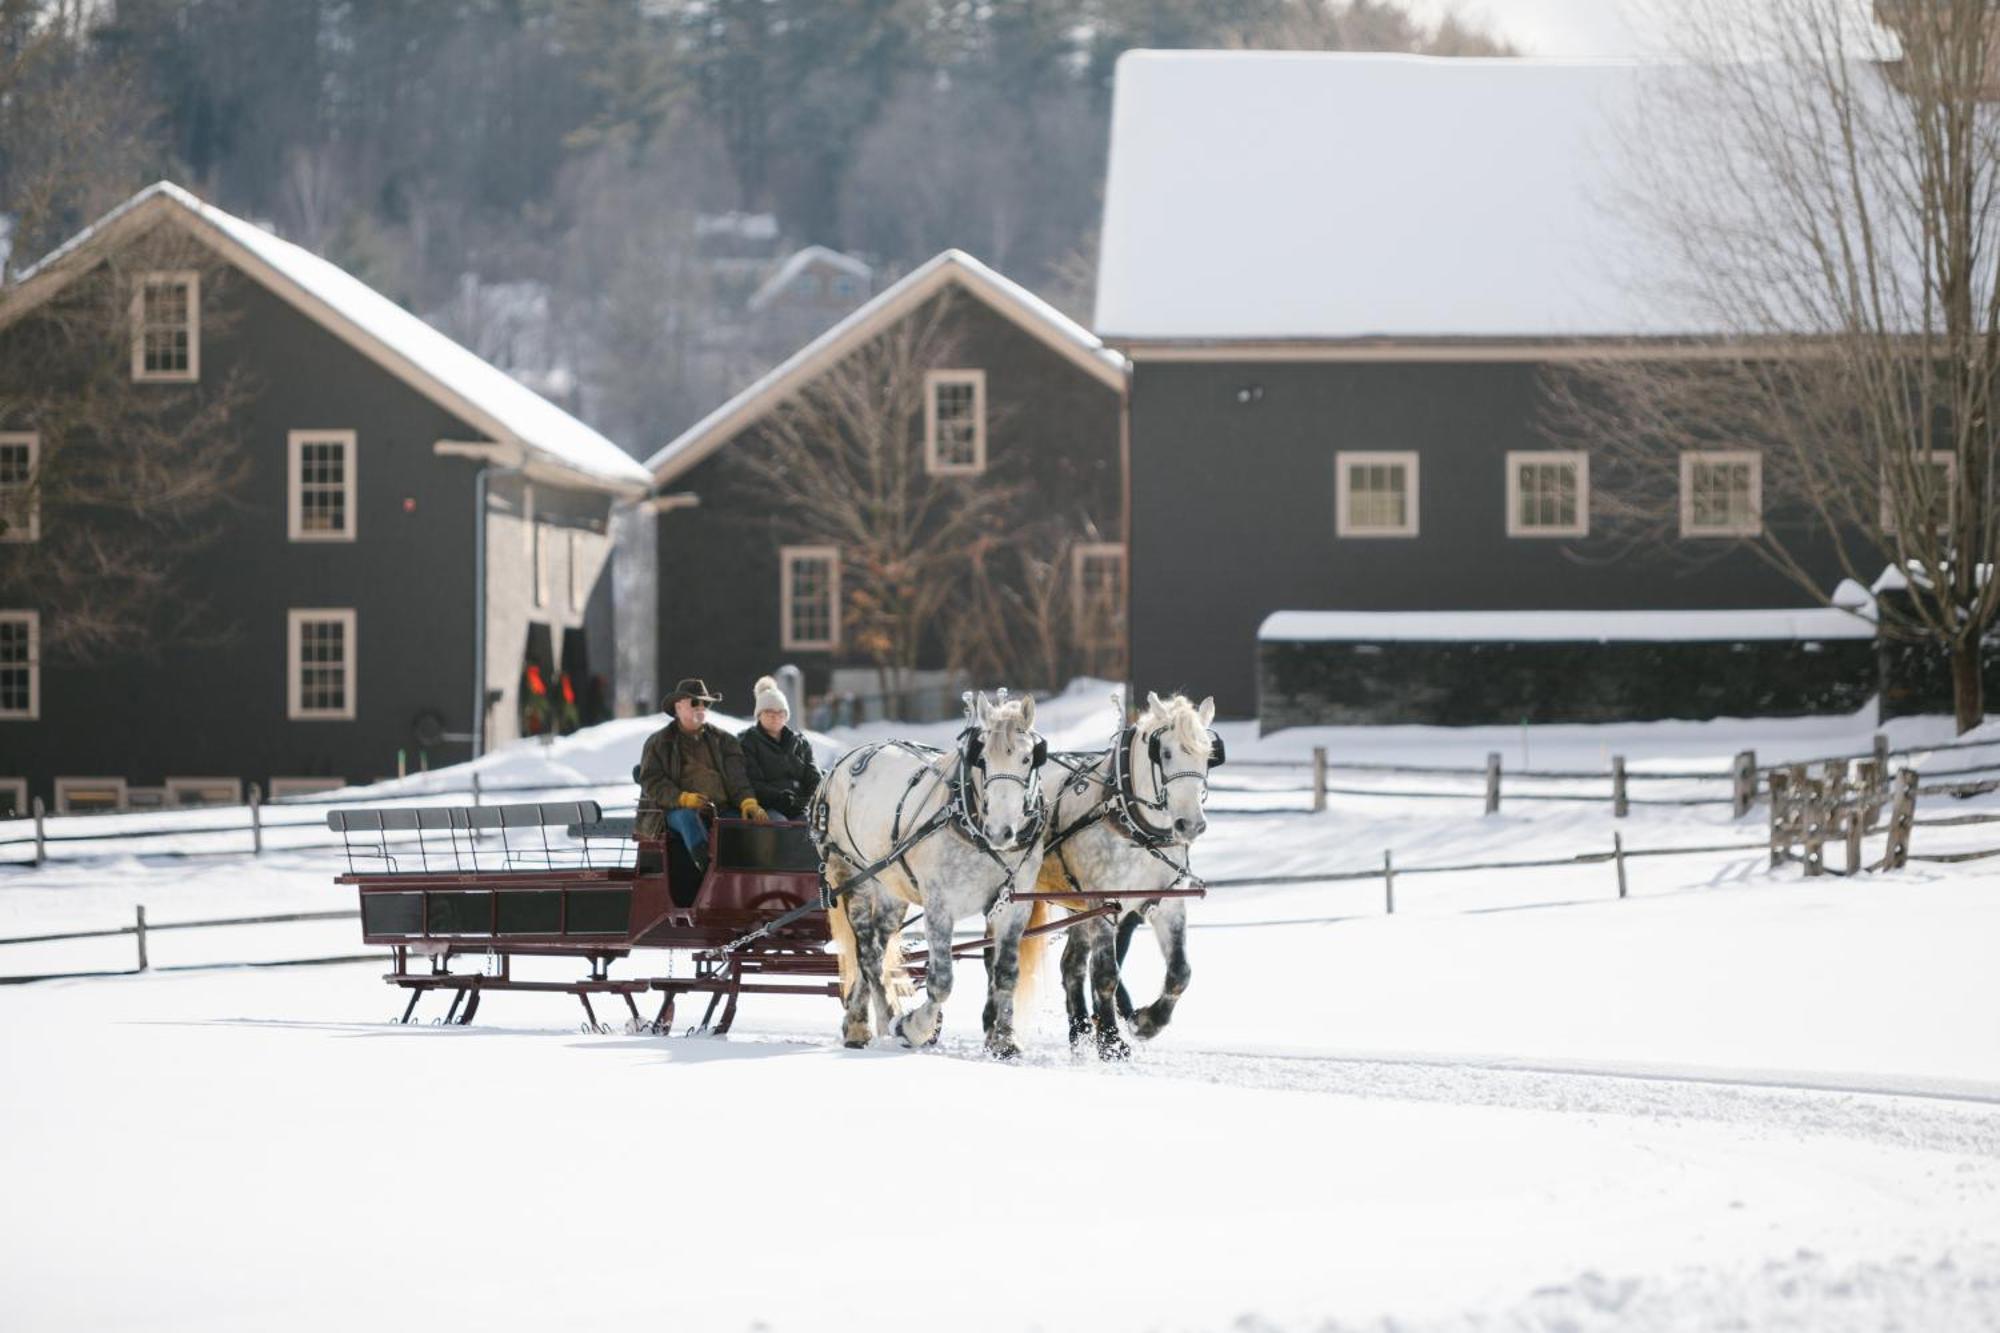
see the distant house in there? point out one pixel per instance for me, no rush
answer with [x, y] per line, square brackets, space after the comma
[1029, 393]
[350, 573]
[808, 292]
[1340, 279]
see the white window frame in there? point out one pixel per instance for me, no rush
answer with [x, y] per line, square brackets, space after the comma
[1690, 459]
[1346, 459]
[1519, 458]
[295, 509]
[19, 786]
[1081, 554]
[283, 787]
[33, 620]
[207, 791]
[65, 786]
[933, 381]
[1948, 459]
[295, 621]
[787, 640]
[192, 281]
[31, 530]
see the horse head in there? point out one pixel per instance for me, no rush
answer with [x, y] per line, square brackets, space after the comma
[1172, 751]
[1004, 756]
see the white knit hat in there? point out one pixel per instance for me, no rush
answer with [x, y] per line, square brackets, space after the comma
[769, 696]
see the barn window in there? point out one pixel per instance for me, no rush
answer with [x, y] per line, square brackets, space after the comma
[1097, 590]
[1722, 493]
[1375, 494]
[1548, 494]
[809, 598]
[204, 791]
[84, 796]
[954, 422]
[320, 670]
[13, 798]
[322, 472]
[20, 665]
[20, 507]
[1933, 485]
[166, 328]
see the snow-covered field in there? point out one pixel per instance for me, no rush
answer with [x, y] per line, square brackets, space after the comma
[1738, 1099]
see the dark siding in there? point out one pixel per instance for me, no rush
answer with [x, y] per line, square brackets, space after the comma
[719, 561]
[1233, 514]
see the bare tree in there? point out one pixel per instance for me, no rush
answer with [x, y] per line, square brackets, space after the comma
[132, 480]
[1824, 191]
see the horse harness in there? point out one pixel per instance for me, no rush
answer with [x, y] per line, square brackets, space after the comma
[1123, 806]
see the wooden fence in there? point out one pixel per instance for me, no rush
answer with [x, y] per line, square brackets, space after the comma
[140, 929]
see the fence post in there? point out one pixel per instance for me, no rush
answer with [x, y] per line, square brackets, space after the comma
[1493, 782]
[1618, 858]
[1746, 782]
[1319, 779]
[139, 929]
[1856, 823]
[475, 786]
[1781, 797]
[1620, 806]
[1902, 813]
[256, 820]
[1389, 879]
[41, 811]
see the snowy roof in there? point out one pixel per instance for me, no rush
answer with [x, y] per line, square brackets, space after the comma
[1290, 195]
[802, 260]
[953, 267]
[465, 385]
[1566, 626]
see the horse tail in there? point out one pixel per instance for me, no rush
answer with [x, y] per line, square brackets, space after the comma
[895, 980]
[842, 931]
[1032, 949]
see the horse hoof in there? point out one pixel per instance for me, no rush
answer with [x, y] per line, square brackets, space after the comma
[1077, 1033]
[1003, 1050]
[853, 1044]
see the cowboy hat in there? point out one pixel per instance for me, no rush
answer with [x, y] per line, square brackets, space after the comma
[691, 687]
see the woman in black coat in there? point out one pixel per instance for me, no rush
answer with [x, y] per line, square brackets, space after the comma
[779, 760]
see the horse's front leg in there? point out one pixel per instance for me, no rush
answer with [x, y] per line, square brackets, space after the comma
[1003, 974]
[1128, 924]
[1075, 965]
[1104, 991]
[1170, 926]
[920, 1026]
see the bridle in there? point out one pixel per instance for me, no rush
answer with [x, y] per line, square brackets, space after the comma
[966, 794]
[1126, 794]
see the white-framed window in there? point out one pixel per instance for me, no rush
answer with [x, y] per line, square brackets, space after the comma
[83, 796]
[954, 422]
[1375, 494]
[1548, 493]
[20, 506]
[13, 798]
[319, 665]
[1722, 493]
[281, 787]
[204, 791]
[166, 328]
[321, 484]
[1943, 464]
[145, 798]
[809, 598]
[1097, 591]
[20, 665]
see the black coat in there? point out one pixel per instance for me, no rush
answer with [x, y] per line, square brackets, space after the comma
[781, 770]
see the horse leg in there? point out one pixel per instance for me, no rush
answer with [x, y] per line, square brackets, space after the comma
[1075, 963]
[1002, 977]
[1170, 925]
[920, 1026]
[863, 914]
[1127, 926]
[1104, 991]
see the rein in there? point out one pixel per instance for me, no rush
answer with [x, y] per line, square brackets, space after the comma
[1123, 806]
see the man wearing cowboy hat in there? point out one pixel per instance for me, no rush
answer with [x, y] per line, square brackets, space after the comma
[689, 764]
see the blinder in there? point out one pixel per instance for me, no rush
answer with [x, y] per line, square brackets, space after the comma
[1041, 754]
[1218, 753]
[975, 751]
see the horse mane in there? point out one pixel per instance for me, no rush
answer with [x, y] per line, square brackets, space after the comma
[1177, 718]
[1005, 721]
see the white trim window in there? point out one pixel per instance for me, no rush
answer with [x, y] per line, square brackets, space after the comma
[1722, 493]
[20, 505]
[1097, 592]
[1375, 494]
[86, 796]
[1548, 493]
[954, 422]
[14, 798]
[809, 598]
[166, 328]
[319, 665]
[1944, 495]
[321, 483]
[204, 791]
[282, 787]
[20, 665]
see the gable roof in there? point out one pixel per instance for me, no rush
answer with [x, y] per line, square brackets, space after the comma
[950, 268]
[551, 442]
[1311, 196]
[799, 262]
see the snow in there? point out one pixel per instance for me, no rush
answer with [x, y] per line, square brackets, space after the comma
[1268, 195]
[1563, 626]
[1738, 1098]
[544, 430]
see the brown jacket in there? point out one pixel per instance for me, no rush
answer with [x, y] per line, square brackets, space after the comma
[660, 772]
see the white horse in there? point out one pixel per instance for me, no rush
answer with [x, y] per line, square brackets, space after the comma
[955, 832]
[1122, 822]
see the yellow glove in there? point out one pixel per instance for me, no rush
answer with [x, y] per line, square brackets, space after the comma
[752, 810]
[690, 800]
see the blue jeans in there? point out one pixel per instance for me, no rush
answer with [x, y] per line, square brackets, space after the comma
[687, 825]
